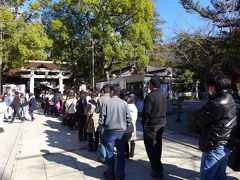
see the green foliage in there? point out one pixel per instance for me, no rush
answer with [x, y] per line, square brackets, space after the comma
[222, 13]
[207, 55]
[187, 79]
[22, 41]
[122, 33]
[186, 82]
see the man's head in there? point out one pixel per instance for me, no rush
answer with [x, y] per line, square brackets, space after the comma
[105, 89]
[218, 83]
[154, 83]
[114, 90]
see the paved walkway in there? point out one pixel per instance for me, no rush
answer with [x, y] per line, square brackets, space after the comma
[9, 142]
[48, 151]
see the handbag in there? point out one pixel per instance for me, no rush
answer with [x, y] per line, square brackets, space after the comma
[234, 159]
[58, 106]
[130, 128]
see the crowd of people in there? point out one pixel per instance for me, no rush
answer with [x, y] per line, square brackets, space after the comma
[102, 118]
[107, 119]
[17, 105]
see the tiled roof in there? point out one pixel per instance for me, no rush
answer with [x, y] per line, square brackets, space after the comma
[49, 65]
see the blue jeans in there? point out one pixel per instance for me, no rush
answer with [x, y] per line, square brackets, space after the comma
[101, 149]
[31, 115]
[23, 111]
[214, 164]
[117, 138]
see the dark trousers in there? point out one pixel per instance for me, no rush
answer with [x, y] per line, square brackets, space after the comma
[93, 141]
[57, 112]
[17, 113]
[52, 109]
[82, 134]
[31, 115]
[129, 151]
[152, 136]
[46, 108]
[72, 121]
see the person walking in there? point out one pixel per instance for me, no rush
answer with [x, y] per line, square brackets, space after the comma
[16, 107]
[32, 105]
[23, 105]
[92, 122]
[102, 102]
[115, 119]
[217, 119]
[3, 109]
[153, 122]
[8, 102]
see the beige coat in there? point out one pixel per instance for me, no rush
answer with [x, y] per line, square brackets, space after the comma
[92, 117]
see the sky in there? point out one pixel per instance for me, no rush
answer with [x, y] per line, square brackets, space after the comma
[177, 19]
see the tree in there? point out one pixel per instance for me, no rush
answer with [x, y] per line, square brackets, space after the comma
[216, 52]
[222, 13]
[22, 40]
[120, 30]
[186, 82]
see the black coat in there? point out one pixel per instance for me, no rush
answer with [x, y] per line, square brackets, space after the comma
[154, 109]
[80, 107]
[217, 119]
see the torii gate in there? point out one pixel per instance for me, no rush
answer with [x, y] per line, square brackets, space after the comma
[58, 74]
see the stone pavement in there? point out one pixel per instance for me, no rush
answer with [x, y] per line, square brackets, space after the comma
[9, 142]
[48, 151]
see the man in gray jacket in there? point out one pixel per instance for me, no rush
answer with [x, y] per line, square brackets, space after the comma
[101, 103]
[115, 118]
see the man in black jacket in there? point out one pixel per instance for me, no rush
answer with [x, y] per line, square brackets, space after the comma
[153, 121]
[217, 119]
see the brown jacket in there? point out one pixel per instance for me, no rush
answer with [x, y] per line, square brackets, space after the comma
[92, 122]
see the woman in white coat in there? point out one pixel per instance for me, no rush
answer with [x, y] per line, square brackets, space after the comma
[131, 136]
